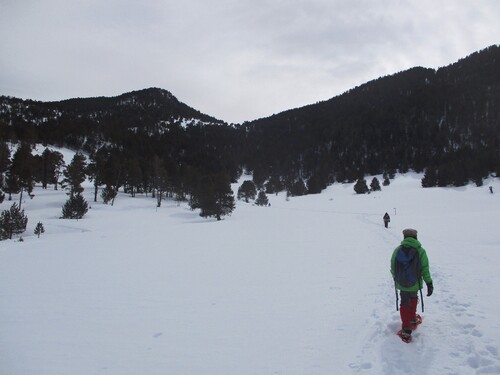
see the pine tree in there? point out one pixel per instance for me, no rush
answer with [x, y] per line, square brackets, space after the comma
[224, 198]
[74, 175]
[247, 190]
[159, 180]
[262, 199]
[133, 176]
[108, 194]
[430, 177]
[11, 185]
[315, 184]
[214, 196]
[75, 207]
[39, 229]
[95, 168]
[360, 187]
[4, 166]
[375, 184]
[274, 185]
[386, 182]
[12, 221]
[23, 169]
[52, 163]
[4, 157]
[260, 175]
[113, 173]
[297, 188]
[444, 175]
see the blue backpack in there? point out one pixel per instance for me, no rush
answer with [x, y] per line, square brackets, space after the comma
[407, 267]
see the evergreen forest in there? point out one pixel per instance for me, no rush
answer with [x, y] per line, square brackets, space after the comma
[444, 123]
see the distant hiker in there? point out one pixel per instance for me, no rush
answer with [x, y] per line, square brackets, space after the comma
[387, 219]
[409, 266]
[491, 189]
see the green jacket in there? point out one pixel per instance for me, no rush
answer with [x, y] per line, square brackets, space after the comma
[424, 263]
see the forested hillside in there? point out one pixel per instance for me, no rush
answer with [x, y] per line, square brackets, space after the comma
[445, 122]
[141, 142]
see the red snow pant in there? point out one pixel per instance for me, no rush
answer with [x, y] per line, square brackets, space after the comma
[408, 308]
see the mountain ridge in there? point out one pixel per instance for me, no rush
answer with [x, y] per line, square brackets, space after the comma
[416, 119]
[443, 121]
[149, 93]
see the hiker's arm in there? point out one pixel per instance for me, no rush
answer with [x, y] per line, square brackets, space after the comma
[392, 262]
[424, 261]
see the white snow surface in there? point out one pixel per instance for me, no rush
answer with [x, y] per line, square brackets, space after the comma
[300, 287]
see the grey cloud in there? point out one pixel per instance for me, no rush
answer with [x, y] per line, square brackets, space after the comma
[236, 60]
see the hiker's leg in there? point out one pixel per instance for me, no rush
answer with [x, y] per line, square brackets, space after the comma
[413, 304]
[406, 310]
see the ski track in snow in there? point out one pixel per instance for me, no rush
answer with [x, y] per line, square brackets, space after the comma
[449, 332]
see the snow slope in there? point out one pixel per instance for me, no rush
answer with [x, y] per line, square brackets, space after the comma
[301, 287]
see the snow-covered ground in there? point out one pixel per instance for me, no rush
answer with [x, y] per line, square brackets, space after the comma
[300, 287]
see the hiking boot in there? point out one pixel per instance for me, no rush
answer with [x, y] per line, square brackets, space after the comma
[405, 334]
[416, 322]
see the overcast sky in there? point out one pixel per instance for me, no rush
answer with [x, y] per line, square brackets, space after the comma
[235, 60]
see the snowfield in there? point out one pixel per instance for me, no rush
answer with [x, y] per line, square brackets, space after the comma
[300, 287]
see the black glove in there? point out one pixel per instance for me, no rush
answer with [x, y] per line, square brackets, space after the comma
[430, 289]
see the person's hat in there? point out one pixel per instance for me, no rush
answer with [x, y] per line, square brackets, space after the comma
[410, 233]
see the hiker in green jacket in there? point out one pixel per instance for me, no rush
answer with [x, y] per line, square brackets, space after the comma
[410, 268]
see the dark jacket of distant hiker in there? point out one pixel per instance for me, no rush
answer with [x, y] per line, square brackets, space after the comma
[387, 219]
